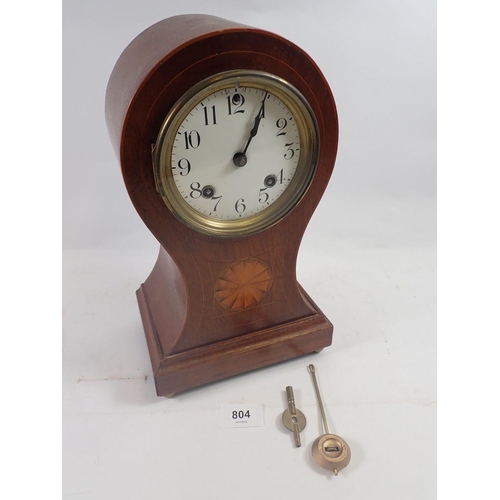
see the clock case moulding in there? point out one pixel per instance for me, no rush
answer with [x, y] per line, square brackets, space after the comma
[193, 338]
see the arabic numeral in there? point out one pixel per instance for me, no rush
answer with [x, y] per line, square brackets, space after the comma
[218, 198]
[289, 152]
[280, 176]
[281, 124]
[240, 206]
[263, 196]
[240, 414]
[195, 190]
[185, 166]
[192, 140]
[210, 117]
[236, 100]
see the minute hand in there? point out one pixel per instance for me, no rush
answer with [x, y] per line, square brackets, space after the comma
[255, 128]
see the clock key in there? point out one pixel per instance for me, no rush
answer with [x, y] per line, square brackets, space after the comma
[293, 419]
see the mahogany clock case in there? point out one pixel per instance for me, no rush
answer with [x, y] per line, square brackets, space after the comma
[193, 339]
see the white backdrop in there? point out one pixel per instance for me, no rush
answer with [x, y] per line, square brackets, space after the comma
[367, 259]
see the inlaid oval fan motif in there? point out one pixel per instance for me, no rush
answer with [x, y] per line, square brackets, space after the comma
[243, 284]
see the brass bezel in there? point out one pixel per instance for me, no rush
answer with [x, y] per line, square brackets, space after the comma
[309, 140]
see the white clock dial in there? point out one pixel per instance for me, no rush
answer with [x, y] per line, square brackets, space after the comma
[236, 153]
[214, 169]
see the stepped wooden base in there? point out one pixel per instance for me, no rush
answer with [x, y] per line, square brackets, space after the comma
[195, 367]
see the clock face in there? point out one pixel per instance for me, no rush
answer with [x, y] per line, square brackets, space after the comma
[236, 153]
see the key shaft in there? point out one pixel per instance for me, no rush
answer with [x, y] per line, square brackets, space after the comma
[291, 399]
[293, 419]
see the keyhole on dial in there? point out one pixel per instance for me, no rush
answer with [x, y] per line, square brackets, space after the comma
[270, 181]
[208, 192]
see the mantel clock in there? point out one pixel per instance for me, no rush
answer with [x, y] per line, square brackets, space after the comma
[227, 137]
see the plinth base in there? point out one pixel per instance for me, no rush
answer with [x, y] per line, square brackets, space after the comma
[185, 370]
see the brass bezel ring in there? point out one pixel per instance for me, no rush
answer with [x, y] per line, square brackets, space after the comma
[309, 141]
